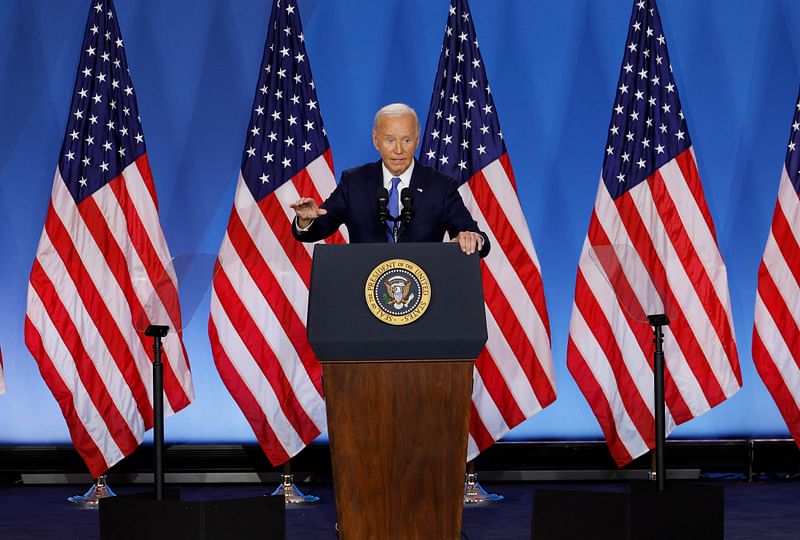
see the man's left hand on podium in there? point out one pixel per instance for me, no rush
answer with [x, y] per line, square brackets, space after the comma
[470, 242]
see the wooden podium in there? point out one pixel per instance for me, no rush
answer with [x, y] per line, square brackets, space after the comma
[397, 383]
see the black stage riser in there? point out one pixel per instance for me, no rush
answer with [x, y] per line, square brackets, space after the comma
[135, 517]
[747, 457]
[692, 511]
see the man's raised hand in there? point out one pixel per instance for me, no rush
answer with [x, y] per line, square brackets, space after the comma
[306, 210]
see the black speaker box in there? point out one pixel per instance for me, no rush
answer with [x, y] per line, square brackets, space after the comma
[568, 515]
[682, 510]
[137, 517]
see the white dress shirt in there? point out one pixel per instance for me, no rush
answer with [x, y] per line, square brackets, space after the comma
[405, 181]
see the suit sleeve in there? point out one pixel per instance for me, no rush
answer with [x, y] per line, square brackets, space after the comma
[337, 206]
[458, 218]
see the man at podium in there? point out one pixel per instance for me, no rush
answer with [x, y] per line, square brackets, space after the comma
[396, 199]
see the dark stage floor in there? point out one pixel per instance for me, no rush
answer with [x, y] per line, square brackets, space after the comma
[758, 510]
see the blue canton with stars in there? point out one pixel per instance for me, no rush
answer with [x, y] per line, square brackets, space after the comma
[647, 125]
[462, 134]
[104, 132]
[792, 161]
[286, 131]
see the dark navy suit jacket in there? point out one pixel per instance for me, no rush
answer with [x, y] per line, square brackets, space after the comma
[438, 208]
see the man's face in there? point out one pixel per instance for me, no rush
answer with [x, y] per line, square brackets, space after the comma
[396, 138]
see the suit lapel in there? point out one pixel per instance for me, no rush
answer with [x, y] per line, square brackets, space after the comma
[373, 180]
[375, 177]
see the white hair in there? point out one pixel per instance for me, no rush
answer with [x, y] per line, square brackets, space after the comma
[394, 109]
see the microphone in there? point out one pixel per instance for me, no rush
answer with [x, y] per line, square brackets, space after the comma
[383, 203]
[407, 214]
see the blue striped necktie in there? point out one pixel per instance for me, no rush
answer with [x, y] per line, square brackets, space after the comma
[393, 207]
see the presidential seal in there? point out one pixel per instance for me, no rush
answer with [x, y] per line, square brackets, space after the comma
[397, 292]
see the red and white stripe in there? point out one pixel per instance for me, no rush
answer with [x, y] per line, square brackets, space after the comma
[776, 328]
[514, 377]
[102, 274]
[258, 315]
[658, 237]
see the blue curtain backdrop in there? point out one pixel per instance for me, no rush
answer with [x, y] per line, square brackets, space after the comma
[553, 67]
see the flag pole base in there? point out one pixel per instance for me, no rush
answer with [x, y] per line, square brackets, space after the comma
[291, 494]
[475, 494]
[91, 499]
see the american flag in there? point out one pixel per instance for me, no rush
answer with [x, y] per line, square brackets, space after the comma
[514, 376]
[102, 271]
[652, 224]
[260, 293]
[776, 329]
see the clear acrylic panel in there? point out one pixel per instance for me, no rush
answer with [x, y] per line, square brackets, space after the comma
[641, 292]
[176, 291]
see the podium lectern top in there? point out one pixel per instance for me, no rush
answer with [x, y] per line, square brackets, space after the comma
[343, 327]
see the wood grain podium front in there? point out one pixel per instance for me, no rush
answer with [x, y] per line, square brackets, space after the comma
[397, 395]
[398, 438]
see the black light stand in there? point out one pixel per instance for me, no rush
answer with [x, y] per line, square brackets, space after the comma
[647, 511]
[157, 332]
[163, 515]
[657, 322]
